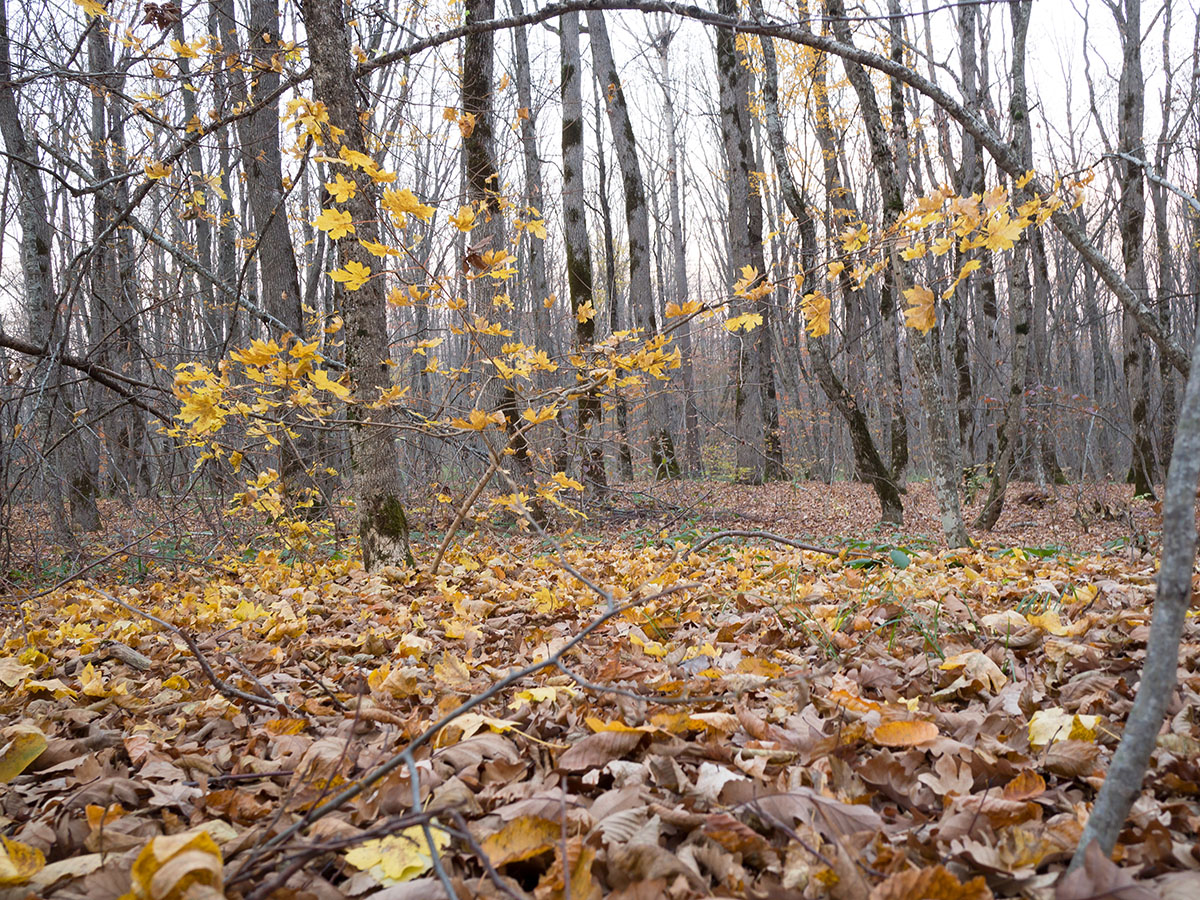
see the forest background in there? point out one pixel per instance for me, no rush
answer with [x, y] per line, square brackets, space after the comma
[406, 298]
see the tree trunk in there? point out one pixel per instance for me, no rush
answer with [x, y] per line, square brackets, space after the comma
[891, 187]
[679, 281]
[67, 472]
[579, 254]
[383, 526]
[662, 448]
[747, 374]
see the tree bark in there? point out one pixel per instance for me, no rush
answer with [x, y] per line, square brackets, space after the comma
[383, 526]
[662, 447]
[579, 254]
[891, 187]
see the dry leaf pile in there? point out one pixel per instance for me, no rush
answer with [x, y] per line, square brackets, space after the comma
[776, 724]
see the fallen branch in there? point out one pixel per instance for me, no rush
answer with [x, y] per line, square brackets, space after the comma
[214, 679]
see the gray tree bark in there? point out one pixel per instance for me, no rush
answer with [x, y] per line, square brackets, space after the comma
[663, 462]
[377, 487]
[579, 254]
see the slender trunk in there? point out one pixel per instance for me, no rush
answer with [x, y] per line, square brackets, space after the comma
[579, 255]
[679, 281]
[383, 526]
[624, 451]
[662, 449]
[890, 175]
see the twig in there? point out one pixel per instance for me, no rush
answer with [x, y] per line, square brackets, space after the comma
[763, 536]
[215, 680]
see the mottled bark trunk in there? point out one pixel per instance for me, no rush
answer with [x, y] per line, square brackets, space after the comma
[1131, 102]
[377, 489]
[866, 455]
[1019, 286]
[747, 374]
[679, 279]
[662, 449]
[891, 186]
[624, 451]
[483, 189]
[262, 163]
[67, 476]
[579, 255]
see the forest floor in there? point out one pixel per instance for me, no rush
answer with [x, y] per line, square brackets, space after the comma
[745, 719]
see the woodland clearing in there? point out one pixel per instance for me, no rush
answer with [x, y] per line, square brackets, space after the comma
[897, 721]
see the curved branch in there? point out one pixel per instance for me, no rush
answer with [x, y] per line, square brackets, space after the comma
[1002, 152]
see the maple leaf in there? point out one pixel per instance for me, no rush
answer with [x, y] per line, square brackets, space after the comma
[816, 309]
[337, 222]
[377, 249]
[921, 314]
[464, 219]
[401, 857]
[18, 863]
[685, 309]
[93, 8]
[341, 188]
[1001, 232]
[184, 51]
[478, 420]
[155, 170]
[354, 275]
[545, 414]
[355, 159]
[322, 380]
[746, 322]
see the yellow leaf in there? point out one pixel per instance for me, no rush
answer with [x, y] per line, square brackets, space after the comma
[1024, 179]
[746, 322]
[464, 219]
[171, 867]
[854, 238]
[836, 269]
[341, 188]
[184, 51]
[23, 745]
[545, 414]
[354, 275]
[337, 222]
[19, 862]
[399, 857]
[916, 251]
[536, 227]
[904, 734]
[566, 481]
[91, 7]
[541, 695]
[478, 420]
[405, 202]
[585, 312]
[816, 308]
[322, 380]
[155, 170]
[93, 683]
[381, 250]
[1048, 726]
[355, 159]
[686, 309]
[920, 314]
[1001, 232]
[522, 838]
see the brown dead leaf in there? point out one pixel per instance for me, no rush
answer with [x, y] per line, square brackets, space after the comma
[597, 750]
[934, 883]
[1099, 878]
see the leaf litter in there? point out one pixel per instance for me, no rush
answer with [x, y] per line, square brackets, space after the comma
[778, 723]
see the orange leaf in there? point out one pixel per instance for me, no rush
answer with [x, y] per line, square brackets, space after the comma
[904, 733]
